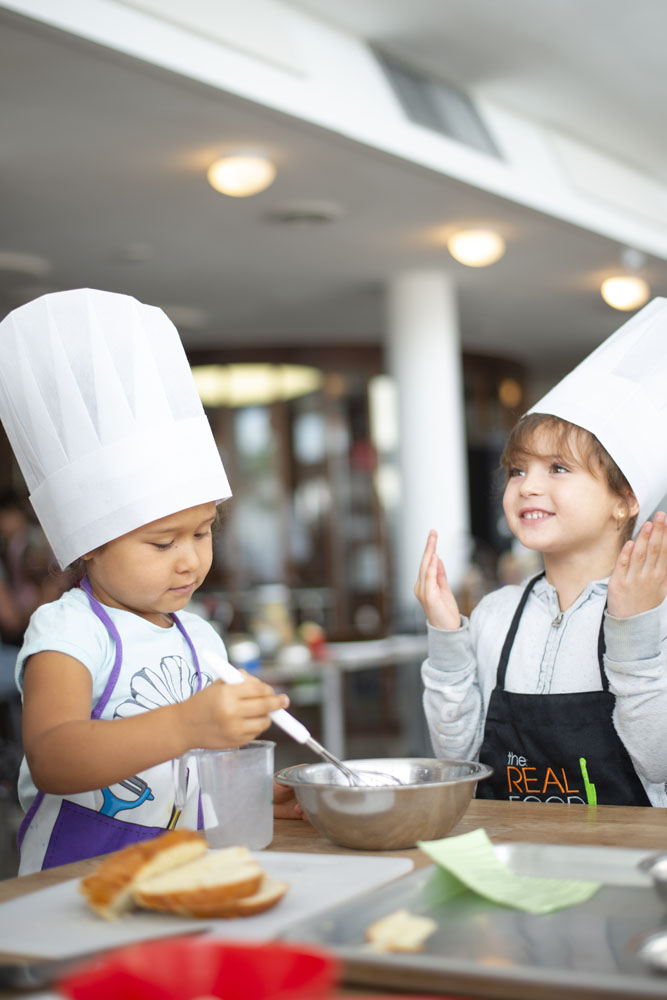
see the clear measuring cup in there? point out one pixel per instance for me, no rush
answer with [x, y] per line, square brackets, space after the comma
[236, 792]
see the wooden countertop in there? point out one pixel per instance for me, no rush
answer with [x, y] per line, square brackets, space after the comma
[619, 826]
[528, 822]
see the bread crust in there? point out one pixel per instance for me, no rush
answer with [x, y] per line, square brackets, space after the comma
[108, 890]
[267, 895]
[193, 900]
[176, 873]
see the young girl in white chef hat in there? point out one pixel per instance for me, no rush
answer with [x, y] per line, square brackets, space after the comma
[100, 407]
[560, 684]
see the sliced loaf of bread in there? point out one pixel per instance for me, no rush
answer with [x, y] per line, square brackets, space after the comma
[204, 886]
[109, 889]
[267, 895]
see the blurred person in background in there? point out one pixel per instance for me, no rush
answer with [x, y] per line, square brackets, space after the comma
[27, 566]
[28, 577]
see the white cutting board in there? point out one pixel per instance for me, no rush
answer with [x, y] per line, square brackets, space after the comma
[57, 923]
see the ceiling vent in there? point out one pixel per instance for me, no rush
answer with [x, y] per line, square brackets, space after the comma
[437, 105]
[307, 213]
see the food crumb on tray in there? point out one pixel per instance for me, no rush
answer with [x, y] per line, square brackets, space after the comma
[400, 931]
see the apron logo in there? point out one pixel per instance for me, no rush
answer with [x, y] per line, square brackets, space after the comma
[526, 783]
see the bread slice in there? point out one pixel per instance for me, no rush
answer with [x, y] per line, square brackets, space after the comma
[204, 886]
[400, 931]
[108, 890]
[269, 893]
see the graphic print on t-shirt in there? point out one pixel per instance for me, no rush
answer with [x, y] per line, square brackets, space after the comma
[173, 681]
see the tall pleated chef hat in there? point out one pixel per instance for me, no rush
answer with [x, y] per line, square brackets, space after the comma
[619, 394]
[101, 410]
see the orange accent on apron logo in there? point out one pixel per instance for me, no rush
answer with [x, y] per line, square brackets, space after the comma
[520, 780]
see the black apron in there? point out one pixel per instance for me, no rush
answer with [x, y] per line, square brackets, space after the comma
[555, 747]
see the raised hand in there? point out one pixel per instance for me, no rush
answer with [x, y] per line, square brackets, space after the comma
[433, 591]
[639, 580]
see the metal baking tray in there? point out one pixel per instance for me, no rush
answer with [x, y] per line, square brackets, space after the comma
[482, 949]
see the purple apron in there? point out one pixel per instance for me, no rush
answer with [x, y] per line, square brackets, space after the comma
[80, 832]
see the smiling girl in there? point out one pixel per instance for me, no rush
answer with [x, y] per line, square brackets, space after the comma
[560, 684]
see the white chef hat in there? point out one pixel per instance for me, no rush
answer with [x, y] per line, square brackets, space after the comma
[619, 394]
[101, 410]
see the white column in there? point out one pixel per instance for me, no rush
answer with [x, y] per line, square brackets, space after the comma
[423, 355]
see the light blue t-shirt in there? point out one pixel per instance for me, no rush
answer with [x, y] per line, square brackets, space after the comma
[157, 669]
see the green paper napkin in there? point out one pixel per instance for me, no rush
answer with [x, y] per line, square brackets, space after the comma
[472, 860]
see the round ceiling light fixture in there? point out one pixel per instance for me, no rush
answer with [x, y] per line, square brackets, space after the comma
[242, 175]
[625, 292]
[476, 247]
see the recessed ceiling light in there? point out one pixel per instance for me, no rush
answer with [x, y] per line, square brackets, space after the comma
[241, 176]
[625, 292]
[476, 247]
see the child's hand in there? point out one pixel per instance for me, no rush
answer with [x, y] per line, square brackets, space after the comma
[285, 805]
[639, 580]
[229, 715]
[432, 590]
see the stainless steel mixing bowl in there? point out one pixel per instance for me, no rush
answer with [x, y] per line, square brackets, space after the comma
[431, 800]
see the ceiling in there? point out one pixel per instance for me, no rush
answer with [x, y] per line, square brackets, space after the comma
[103, 162]
[593, 70]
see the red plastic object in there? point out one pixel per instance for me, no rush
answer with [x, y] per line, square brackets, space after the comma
[184, 969]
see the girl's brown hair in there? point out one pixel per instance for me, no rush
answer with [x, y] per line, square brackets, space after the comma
[574, 444]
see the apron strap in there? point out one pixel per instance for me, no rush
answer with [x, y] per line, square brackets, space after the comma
[181, 627]
[113, 632]
[509, 638]
[511, 634]
[601, 651]
[195, 659]
[97, 609]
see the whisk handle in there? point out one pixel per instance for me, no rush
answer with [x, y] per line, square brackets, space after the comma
[281, 717]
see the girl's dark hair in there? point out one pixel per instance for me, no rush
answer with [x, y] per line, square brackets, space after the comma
[77, 569]
[568, 438]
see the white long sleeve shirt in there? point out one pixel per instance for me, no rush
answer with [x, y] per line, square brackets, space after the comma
[553, 653]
